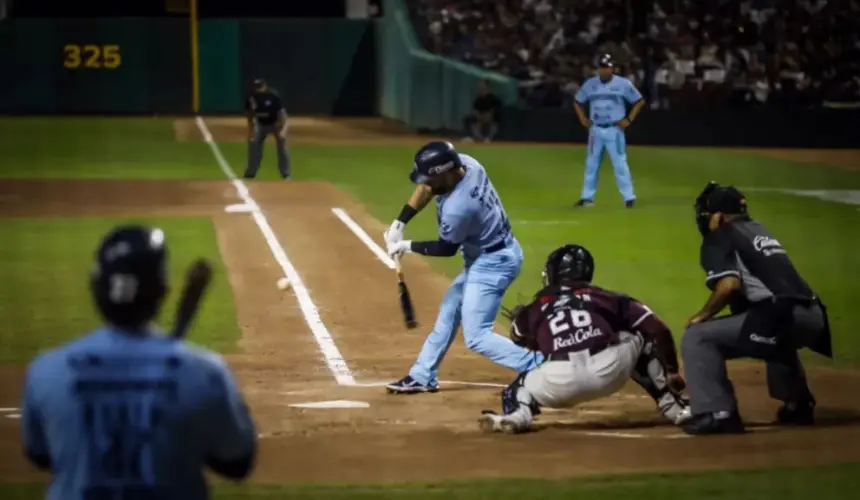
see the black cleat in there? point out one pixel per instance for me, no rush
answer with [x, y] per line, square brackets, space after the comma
[408, 385]
[584, 203]
[796, 414]
[723, 422]
[629, 203]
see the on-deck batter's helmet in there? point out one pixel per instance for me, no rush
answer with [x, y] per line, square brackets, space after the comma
[606, 61]
[570, 262]
[715, 198]
[129, 277]
[433, 159]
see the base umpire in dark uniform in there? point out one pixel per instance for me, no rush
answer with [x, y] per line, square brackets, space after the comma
[774, 314]
[266, 115]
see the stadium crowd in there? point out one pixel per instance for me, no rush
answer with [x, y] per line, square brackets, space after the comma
[798, 53]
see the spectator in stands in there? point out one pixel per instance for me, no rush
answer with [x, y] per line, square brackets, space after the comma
[756, 52]
[482, 124]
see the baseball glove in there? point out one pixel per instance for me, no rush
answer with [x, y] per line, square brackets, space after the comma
[519, 333]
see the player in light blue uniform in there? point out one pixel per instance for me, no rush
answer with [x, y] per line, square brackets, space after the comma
[471, 219]
[126, 412]
[607, 97]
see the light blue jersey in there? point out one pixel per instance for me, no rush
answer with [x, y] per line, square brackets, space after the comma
[607, 105]
[122, 415]
[607, 101]
[472, 214]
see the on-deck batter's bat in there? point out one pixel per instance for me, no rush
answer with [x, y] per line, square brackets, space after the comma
[196, 282]
[405, 298]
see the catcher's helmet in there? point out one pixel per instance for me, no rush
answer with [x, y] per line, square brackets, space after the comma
[715, 198]
[129, 278]
[434, 158]
[570, 262]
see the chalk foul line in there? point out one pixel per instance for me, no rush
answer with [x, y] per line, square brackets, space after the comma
[335, 361]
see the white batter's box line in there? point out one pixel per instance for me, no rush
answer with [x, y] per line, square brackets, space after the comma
[334, 360]
[613, 434]
[9, 409]
[362, 235]
[494, 385]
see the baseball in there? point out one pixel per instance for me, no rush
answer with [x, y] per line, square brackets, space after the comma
[283, 284]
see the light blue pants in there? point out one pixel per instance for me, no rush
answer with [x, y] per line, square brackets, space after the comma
[612, 140]
[474, 299]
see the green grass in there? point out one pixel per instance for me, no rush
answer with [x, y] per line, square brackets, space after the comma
[103, 148]
[650, 252]
[44, 299]
[832, 482]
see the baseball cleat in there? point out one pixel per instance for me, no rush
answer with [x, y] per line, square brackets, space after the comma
[584, 203]
[796, 414]
[491, 421]
[408, 385]
[723, 422]
[629, 203]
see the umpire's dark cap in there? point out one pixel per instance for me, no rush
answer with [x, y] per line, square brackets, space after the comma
[606, 61]
[725, 199]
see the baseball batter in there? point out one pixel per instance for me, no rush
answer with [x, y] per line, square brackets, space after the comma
[126, 412]
[593, 341]
[607, 96]
[471, 219]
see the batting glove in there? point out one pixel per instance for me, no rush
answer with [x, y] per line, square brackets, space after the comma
[394, 232]
[399, 248]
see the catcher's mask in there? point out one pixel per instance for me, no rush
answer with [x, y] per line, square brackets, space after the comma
[570, 262]
[715, 198]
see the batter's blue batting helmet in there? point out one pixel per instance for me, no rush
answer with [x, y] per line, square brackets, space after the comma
[432, 159]
[129, 278]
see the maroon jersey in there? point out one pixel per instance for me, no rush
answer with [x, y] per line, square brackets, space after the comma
[583, 316]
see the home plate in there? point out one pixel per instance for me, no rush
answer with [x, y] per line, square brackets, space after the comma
[237, 208]
[339, 403]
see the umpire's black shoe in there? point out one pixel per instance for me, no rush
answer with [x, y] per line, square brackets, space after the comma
[796, 414]
[723, 422]
[584, 203]
[629, 203]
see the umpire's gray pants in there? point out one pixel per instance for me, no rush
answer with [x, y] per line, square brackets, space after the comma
[255, 150]
[706, 346]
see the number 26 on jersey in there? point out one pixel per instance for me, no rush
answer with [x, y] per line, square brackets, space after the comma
[566, 319]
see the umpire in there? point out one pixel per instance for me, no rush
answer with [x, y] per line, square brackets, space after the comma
[774, 314]
[266, 115]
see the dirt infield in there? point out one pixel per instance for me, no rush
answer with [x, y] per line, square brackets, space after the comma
[400, 438]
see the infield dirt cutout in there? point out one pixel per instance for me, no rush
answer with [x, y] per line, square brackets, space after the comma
[400, 438]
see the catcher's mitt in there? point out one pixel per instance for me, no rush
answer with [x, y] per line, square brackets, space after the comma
[520, 332]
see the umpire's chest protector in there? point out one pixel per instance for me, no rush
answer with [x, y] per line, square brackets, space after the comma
[771, 288]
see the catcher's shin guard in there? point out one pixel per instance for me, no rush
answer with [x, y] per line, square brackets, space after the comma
[650, 374]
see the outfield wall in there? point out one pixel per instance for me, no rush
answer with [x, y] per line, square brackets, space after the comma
[813, 128]
[144, 65]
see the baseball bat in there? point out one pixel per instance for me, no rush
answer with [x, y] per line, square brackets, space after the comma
[196, 282]
[405, 299]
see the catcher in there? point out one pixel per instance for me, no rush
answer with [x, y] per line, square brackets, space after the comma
[593, 341]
